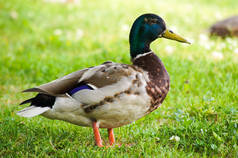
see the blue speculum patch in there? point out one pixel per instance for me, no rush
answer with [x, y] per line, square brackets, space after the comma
[79, 88]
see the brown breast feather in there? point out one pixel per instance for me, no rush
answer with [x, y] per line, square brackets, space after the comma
[158, 84]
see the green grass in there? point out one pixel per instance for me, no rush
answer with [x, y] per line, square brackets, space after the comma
[41, 41]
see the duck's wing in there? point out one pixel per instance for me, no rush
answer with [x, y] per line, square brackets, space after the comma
[108, 73]
[59, 86]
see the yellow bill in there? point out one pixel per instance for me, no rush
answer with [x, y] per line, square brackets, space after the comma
[171, 35]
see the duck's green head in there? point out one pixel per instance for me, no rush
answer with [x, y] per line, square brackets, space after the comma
[146, 29]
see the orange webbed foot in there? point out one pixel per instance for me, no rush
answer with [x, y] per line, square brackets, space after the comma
[97, 136]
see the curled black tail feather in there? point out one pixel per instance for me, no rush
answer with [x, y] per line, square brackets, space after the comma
[41, 100]
[27, 101]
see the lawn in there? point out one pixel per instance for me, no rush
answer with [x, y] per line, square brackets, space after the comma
[41, 41]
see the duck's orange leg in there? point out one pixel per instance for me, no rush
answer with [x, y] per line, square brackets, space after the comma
[97, 136]
[111, 136]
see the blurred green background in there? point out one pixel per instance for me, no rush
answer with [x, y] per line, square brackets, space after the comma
[41, 40]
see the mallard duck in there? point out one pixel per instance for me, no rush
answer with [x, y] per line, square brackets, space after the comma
[225, 28]
[112, 94]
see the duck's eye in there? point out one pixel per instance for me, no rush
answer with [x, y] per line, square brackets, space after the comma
[150, 21]
[154, 21]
